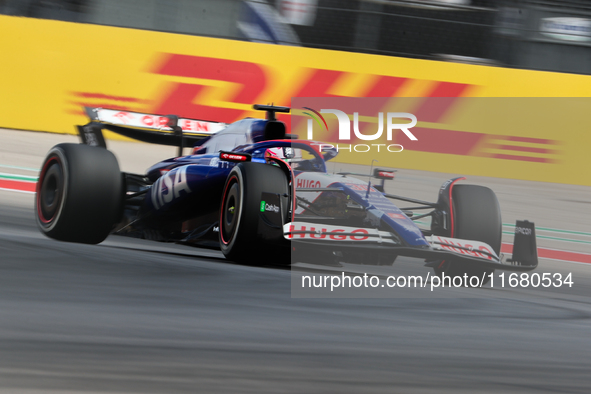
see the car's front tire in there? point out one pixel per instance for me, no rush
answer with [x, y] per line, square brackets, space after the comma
[476, 216]
[240, 240]
[80, 194]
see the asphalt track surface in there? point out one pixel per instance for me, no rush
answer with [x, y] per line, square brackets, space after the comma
[133, 316]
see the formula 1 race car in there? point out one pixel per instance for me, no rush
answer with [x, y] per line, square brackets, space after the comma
[248, 187]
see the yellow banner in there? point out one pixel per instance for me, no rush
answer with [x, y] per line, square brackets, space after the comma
[51, 69]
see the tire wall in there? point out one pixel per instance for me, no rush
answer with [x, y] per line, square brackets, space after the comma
[51, 69]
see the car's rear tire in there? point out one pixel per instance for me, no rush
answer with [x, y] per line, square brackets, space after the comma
[477, 216]
[80, 194]
[240, 240]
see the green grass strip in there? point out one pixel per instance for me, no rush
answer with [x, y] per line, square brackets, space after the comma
[578, 241]
[19, 177]
[555, 230]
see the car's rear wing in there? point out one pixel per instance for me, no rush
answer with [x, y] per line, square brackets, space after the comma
[156, 129]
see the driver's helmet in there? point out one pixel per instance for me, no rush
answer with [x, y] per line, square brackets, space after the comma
[287, 153]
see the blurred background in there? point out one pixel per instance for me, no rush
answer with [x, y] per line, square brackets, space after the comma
[137, 316]
[213, 59]
[548, 35]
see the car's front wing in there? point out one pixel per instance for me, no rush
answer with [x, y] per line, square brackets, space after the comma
[438, 248]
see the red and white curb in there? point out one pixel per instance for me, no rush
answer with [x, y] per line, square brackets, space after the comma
[14, 185]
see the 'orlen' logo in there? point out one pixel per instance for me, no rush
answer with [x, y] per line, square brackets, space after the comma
[345, 129]
[124, 117]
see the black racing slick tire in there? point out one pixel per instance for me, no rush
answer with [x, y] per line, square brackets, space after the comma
[80, 194]
[476, 216]
[240, 238]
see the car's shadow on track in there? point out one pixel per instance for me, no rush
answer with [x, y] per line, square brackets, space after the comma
[183, 250]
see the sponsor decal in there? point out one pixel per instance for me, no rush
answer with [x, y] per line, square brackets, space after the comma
[249, 81]
[271, 208]
[135, 119]
[523, 230]
[472, 248]
[267, 207]
[307, 183]
[234, 157]
[170, 186]
[329, 232]
[90, 137]
[270, 213]
[304, 230]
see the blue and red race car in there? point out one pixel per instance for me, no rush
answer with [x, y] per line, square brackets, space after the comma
[248, 187]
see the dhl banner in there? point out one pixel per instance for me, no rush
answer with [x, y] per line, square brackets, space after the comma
[51, 70]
